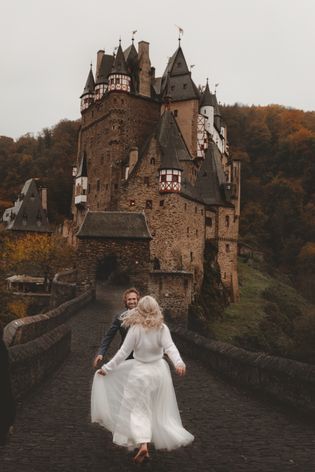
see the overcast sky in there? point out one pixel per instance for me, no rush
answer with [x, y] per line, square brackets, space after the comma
[259, 51]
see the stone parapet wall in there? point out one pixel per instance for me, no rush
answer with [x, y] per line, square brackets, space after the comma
[27, 329]
[286, 380]
[63, 288]
[30, 363]
[173, 290]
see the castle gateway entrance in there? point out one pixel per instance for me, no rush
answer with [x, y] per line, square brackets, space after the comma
[114, 244]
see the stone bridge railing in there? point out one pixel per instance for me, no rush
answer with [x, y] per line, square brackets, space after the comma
[64, 287]
[286, 380]
[38, 344]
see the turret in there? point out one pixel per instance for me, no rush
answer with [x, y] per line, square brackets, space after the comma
[105, 64]
[207, 104]
[81, 182]
[87, 97]
[119, 78]
[170, 171]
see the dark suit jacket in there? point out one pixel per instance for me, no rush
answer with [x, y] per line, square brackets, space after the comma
[111, 333]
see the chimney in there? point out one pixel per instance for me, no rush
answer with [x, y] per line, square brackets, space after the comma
[144, 69]
[43, 197]
[133, 158]
[99, 58]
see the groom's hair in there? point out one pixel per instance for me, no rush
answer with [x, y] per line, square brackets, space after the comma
[131, 290]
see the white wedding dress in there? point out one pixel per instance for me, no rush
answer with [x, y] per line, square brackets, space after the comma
[136, 399]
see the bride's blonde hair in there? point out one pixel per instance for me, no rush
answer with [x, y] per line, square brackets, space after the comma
[147, 314]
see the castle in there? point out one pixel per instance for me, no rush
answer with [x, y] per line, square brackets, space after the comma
[154, 180]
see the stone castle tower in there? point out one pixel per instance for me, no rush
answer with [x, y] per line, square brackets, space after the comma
[154, 180]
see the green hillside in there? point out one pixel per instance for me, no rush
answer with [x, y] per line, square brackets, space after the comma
[271, 316]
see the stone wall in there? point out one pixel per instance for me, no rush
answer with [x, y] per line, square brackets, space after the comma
[177, 224]
[289, 381]
[173, 291]
[109, 129]
[30, 363]
[63, 288]
[133, 259]
[27, 329]
[38, 344]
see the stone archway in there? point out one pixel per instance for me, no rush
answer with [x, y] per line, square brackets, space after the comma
[106, 267]
[101, 258]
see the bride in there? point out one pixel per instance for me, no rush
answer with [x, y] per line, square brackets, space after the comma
[135, 399]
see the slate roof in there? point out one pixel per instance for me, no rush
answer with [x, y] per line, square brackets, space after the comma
[27, 213]
[172, 144]
[114, 225]
[105, 69]
[208, 98]
[210, 177]
[82, 170]
[89, 85]
[178, 78]
[120, 65]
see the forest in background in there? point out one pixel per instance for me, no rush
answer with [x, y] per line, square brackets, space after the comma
[277, 149]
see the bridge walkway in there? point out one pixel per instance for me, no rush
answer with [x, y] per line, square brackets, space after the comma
[233, 431]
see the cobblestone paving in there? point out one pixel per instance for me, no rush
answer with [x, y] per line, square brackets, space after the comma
[233, 431]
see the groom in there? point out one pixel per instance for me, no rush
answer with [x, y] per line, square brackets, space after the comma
[130, 298]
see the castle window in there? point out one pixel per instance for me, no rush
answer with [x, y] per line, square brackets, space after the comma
[196, 232]
[184, 86]
[89, 188]
[148, 204]
[201, 211]
[185, 206]
[116, 186]
[175, 113]
[196, 209]
[132, 203]
[98, 185]
[122, 101]
[187, 230]
[208, 221]
[146, 181]
[161, 203]
[191, 257]
[185, 284]
[152, 161]
[227, 221]
[227, 248]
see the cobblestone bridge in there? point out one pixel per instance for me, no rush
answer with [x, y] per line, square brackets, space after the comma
[234, 432]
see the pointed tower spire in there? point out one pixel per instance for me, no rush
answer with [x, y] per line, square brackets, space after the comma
[87, 96]
[119, 78]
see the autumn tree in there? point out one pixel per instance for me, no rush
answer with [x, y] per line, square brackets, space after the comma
[39, 254]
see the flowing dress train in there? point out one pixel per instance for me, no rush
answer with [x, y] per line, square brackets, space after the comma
[136, 399]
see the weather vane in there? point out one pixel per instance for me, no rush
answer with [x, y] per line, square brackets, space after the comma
[133, 35]
[180, 32]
